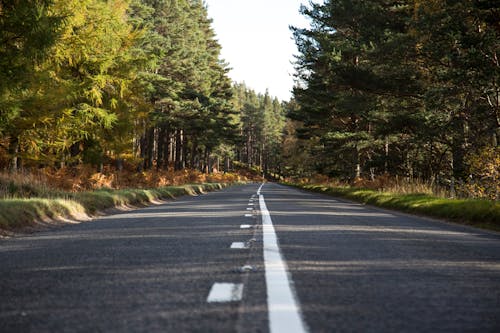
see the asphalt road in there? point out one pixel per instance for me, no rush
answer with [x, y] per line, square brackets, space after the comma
[353, 269]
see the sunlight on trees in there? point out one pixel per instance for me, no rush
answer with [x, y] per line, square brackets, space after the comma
[403, 89]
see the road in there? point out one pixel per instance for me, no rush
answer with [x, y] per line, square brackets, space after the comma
[209, 264]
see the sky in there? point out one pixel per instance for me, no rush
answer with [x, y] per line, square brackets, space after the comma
[257, 42]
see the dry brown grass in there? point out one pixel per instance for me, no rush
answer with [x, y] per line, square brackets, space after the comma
[382, 183]
[44, 182]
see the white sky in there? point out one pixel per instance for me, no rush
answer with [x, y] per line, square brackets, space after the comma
[256, 41]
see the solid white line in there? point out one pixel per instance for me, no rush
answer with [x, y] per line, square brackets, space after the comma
[239, 245]
[260, 188]
[225, 292]
[284, 310]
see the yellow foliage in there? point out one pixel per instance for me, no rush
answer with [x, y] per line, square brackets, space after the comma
[484, 167]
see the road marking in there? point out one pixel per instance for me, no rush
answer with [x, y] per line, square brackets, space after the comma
[258, 191]
[248, 215]
[245, 226]
[282, 304]
[225, 292]
[249, 208]
[250, 204]
[239, 245]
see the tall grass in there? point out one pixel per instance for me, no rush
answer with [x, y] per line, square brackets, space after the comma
[25, 185]
[49, 194]
[393, 184]
[476, 212]
[16, 213]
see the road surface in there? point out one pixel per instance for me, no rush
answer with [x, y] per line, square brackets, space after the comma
[279, 260]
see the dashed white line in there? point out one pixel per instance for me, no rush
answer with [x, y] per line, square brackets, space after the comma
[225, 292]
[248, 215]
[284, 310]
[245, 226]
[239, 245]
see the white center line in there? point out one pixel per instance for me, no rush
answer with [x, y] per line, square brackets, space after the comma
[284, 310]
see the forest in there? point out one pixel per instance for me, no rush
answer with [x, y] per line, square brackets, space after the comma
[136, 84]
[403, 89]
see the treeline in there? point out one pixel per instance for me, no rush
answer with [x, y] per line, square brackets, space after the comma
[262, 120]
[408, 88]
[137, 82]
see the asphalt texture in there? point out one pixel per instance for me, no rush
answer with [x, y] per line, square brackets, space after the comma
[148, 270]
[354, 269]
[362, 269]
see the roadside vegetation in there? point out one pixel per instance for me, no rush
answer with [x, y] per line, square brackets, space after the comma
[47, 197]
[416, 198]
[399, 103]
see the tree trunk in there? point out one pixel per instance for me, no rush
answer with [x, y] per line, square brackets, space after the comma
[357, 157]
[148, 148]
[13, 150]
[194, 150]
[185, 150]
[386, 150]
[178, 150]
[207, 161]
[119, 164]
[160, 159]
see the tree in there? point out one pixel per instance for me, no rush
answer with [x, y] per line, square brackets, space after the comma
[28, 28]
[406, 87]
[80, 91]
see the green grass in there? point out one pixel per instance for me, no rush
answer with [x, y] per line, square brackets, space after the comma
[478, 213]
[16, 214]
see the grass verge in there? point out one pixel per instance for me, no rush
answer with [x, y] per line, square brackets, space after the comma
[16, 214]
[478, 213]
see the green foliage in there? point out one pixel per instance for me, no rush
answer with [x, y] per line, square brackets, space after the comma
[402, 87]
[27, 29]
[112, 80]
[262, 123]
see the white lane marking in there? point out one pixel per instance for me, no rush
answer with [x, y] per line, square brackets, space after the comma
[225, 292]
[245, 226]
[248, 215]
[284, 310]
[260, 188]
[249, 208]
[239, 245]
[250, 204]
